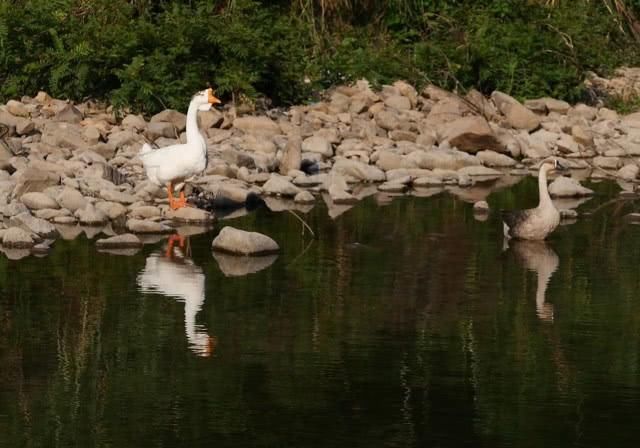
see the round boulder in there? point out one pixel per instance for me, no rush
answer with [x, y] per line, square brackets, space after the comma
[241, 242]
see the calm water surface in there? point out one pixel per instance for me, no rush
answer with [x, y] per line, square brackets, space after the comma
[405, 323]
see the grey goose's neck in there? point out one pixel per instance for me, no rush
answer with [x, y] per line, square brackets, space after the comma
[543, 190]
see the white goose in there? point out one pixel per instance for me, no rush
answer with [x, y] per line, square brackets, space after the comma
[174, 275]
[174, 164]
[535, 223]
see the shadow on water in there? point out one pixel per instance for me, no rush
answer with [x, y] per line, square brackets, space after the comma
[404, 323]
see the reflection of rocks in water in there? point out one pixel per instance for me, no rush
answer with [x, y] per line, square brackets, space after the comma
[232, 214]
[15, 254]
[172, 274]
[569, 203]
[383, 199]
[538, 257]
[361, 191]
[480, 191]
[192, 229]
[237, 265]
[426, 192]
[334, 209]
[92, 232]
[279, 204]
[151, 238]
[69, 231]
[127, 252]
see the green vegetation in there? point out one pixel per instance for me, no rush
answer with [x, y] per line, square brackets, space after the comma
[149, 55]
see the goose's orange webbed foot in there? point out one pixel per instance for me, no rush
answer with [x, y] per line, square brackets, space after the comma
[181, 202]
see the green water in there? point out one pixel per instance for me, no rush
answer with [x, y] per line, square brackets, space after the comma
[403, 324]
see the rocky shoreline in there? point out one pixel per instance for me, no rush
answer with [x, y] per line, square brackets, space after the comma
[65, 165]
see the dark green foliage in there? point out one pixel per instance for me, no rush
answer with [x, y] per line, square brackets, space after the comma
[150, 55]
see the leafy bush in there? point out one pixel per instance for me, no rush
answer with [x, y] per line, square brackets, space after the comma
[151, 55]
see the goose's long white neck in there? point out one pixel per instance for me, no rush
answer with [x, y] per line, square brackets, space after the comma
[545, 199]
[193, 134]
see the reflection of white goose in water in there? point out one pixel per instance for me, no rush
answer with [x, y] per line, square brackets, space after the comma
[538, 257]
[175, 275]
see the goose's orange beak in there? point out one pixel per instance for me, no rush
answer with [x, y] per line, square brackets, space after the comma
[212, 97]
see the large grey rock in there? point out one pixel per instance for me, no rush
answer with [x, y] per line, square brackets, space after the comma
[388, 160]
[69, 114]
[147, 226]
[479, 171]
[124, 241]
[568, 187]
[492, 158]
[291, 156]
[158, 129]
[210, 119]
[632, 120]
[49, 213]
[38, 200]
[22, 125]
[190, 215]
[113, 210]
[135, 122]
[92, 135]
[481, 104]
[629, 172]
[177, 119]
[17, 108]
[63, 134]
[230, 192]
[546, 105]
[13, 208]
[279, 185]
[388, 120]
[259, 144]
[612, 163]
[35, 225]
[125, 138]
[448, 109]
[398, 102]
[17, 238]
[317, 144]
[471, 134]
[117, 196]
[517, 116]
[241, 242]
[145, 211]
[447, 159]
[90, 216]
[257, 125]
[583, 111]
[71, 199]
[358, 171]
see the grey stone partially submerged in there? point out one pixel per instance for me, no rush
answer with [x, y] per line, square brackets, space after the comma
[124, 241]
[241, 242]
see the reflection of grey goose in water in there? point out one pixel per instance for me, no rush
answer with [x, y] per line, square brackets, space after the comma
[174, 275]
[535, 223]
[538, 257]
